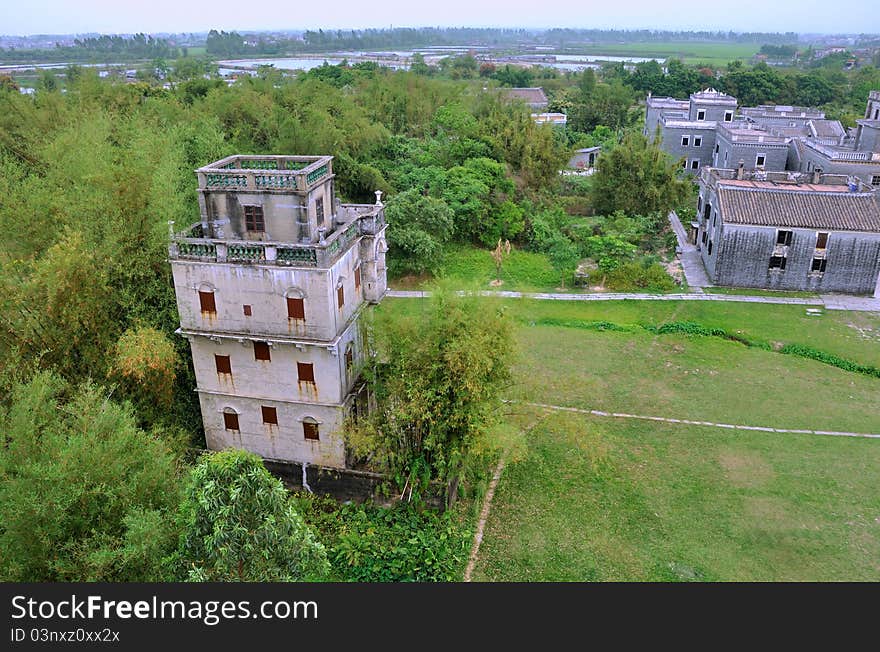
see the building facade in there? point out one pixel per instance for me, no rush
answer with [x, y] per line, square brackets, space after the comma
[789, 231]
[767, 137]
[270, 284]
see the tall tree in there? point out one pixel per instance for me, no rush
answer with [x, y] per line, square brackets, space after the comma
[84, 494]
[437, 382]
[638, 178]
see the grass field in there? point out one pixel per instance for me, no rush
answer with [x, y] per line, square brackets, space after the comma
[690, 52]
[587, 498]
[599, 500]
[521, 270]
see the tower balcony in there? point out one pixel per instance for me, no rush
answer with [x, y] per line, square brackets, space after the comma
[354, 221]
[264, 173]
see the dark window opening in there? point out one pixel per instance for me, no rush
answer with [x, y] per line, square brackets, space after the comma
[685, 141]
[783, 238]
[253, 219]
[777, 262]
[818, 265]
[230, 420]
[822, 241]
[717, 147]
[357, 278]
[295, 308]
[698, 142]
[707, 211]
[261, 351]
[206, 302]
[875, 180]
[699, 204]
[270, 415]
[310, 430]
[728, 116]
[759, 160]
[705, 235]
[349, 358]
[224, 366]
[319, 210]
[701, 114]
[710, 247]
[305, 372]
[340, 296]
[247, 310]
[695, 164]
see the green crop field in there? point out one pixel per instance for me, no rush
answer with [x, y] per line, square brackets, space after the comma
[691, 52]
[593, 498]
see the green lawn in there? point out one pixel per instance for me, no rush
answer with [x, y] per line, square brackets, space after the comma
[605, 499]
[601, 500]
[522, 270]
[761, 293]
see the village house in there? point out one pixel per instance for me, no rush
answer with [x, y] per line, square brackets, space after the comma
[772, 138]
[270, 285]
[789, 231]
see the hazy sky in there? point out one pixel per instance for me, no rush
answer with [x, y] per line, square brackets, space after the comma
[110, 16]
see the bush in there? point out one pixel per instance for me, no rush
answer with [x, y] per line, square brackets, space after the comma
[367, 543]
[638, 277]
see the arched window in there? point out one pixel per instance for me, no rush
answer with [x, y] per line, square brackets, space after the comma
[230, 419]
[349, 358]
[310, 429]
[207, 303]
[296, 304]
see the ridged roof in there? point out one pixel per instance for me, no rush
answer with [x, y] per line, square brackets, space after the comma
[804, 209]
[528, 95]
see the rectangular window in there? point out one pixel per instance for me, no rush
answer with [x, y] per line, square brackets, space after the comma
[699, 204]
[230, 420]
[698, 142]
[818, 265]
[319, 211]
[296, 308]
[247, 310]
[875, 180]
[710, 247]
[224, 366]
[253, 219]
[695, 164]
[783, 238]
[728, 116]
[717, 147]
[821, 240]
[777, 262]
[270, 415]
[685, 141]
[261, 351]
[310, 430]
[701, 114]
[305, 372]
[340, 296]
[759, 160]
[357, 278]
[206, 302]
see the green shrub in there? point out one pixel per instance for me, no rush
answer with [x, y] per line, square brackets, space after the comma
[830, 358]
[367, 543]
[637, 277]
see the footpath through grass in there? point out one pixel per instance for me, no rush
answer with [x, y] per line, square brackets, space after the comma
[587, 498]
[602, 500]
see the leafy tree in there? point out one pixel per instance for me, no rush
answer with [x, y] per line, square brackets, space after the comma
[418, 228]
[84, 494]
[638, 178]
[437, 383]
[238, 524]
[563, 256]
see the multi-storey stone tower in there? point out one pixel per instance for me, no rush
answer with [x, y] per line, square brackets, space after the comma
[270, 285]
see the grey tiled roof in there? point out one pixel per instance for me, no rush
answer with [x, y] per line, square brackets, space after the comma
[843, 211]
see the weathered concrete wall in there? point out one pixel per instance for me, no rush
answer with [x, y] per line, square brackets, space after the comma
[868, 139]
[265, 289]
[715, 112]
[731, 153]
[283, 211]
[853, 260]
[812, 160]
[671, 143]
[277, 378]
[284, 441]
